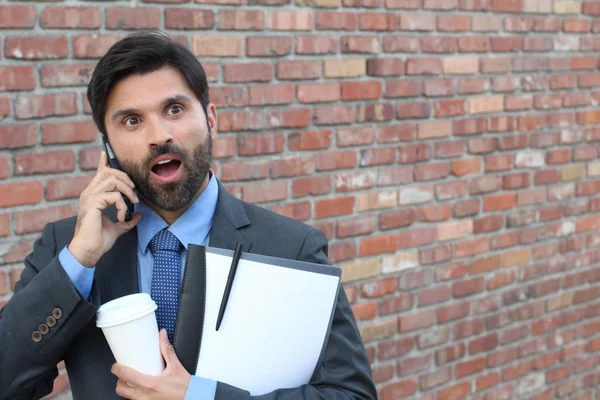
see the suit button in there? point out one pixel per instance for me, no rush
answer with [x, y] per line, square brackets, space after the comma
[36, 336]
[51, 321]
[57, 313]
[44, 329]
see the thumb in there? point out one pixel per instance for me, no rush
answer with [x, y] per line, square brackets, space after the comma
[167, 350]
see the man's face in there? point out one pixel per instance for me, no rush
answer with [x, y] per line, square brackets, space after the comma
[160, 136]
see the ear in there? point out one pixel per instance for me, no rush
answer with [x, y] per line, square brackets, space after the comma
[211, 111]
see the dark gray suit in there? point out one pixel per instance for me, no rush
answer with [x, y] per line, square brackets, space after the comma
[28, 367]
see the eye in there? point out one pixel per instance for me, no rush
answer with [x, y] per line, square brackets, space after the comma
[175, 109]
[131, 121]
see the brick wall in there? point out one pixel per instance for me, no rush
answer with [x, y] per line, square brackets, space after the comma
[446, 147]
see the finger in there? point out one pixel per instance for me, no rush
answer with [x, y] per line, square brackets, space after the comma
[126, 390]
[113, 183]
[102, 200]
[130, 375]
[166, 349]
[121, 175]
[124, 226]
[103, 161]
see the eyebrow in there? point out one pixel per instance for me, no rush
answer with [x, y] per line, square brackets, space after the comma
[179, 98]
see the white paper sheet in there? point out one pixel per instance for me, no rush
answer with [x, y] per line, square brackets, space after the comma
[274, 326]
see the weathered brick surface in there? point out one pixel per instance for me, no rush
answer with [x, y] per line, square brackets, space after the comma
[447, 148]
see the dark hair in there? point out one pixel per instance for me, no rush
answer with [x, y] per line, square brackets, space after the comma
[141, 53]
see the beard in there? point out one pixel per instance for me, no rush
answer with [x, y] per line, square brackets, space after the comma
[174, 195]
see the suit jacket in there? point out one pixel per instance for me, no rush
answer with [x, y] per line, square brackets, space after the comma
[28, 364]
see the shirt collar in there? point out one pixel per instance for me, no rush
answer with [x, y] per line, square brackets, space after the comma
[191, 227]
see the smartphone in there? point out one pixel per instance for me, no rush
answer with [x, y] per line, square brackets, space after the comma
[113, 163]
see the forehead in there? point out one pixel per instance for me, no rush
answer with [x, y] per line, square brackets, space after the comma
[140, 91]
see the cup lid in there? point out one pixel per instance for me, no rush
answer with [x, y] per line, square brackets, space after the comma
[124, 309]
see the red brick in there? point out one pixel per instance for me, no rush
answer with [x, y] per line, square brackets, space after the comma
[360, 44]
[300, 211]
[438, 44]
[241, 170]
[47, 162]
[264, 46]
[400, 44]
[298, 70]
[67, 188]
[402, 89]
[470, 367]
[264, 191]
[68, 132]
[396, 219]
[185, 18]
[289, 118]
[12, 17]
[378, 245]
[14, 194]
[224, 147]
[71, 17]
[261, 144]
[365, 311]
[312, 44]
[318, 92]
[483, 344]
[385, 67]
[453, 23]
[336, 160]
[337, 21]
[311, 186]
[292, 166]
[248, 72]
[309, 140]
[398, 390]
[450, 353]
[416, 321]
[396, 133]
[133, 18]
[36, 47]
[452, 312]
[40, 106]
[417, 22]
[356, 226]
[361, 90]
[34, 220]
[336, 114]
[507, 6]
[17, 136]
[334, 207]
[66, 75]
[291, 20]
[369, 21]
[232, 121]
[241, 20]
[424, 66]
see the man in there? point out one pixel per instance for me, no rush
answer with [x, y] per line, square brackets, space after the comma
[149, 98]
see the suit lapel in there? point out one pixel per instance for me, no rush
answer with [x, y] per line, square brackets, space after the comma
[117, 273]
[230, 216]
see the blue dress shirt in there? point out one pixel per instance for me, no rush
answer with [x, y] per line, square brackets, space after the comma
[193, 226]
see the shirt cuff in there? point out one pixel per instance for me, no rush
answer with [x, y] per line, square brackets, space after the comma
[81, 277]
[201, 388]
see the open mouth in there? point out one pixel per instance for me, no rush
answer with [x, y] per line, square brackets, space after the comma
[166, 169]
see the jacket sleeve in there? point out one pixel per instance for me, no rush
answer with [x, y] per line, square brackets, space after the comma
[44, 294]
[345, 372]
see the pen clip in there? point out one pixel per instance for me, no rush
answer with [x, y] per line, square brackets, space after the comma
[232, 271]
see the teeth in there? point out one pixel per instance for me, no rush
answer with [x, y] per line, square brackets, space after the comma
[164, 161]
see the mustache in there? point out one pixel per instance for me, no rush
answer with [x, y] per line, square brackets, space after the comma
[165, 149]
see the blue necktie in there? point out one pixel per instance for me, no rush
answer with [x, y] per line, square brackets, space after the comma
[166, 275]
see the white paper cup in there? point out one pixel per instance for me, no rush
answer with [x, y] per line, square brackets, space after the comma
[129, 325]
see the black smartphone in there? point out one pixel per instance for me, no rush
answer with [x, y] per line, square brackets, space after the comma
[113, 163]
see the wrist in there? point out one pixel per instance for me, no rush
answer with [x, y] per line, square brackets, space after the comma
[83, 257]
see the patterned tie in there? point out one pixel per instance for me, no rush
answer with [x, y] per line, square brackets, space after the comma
[166, 275]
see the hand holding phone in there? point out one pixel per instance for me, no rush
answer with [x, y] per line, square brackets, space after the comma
[113, 163]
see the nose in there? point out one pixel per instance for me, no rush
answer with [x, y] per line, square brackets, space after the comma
[158, 133]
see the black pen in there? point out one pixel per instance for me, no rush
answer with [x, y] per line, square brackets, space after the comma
[232, 270]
